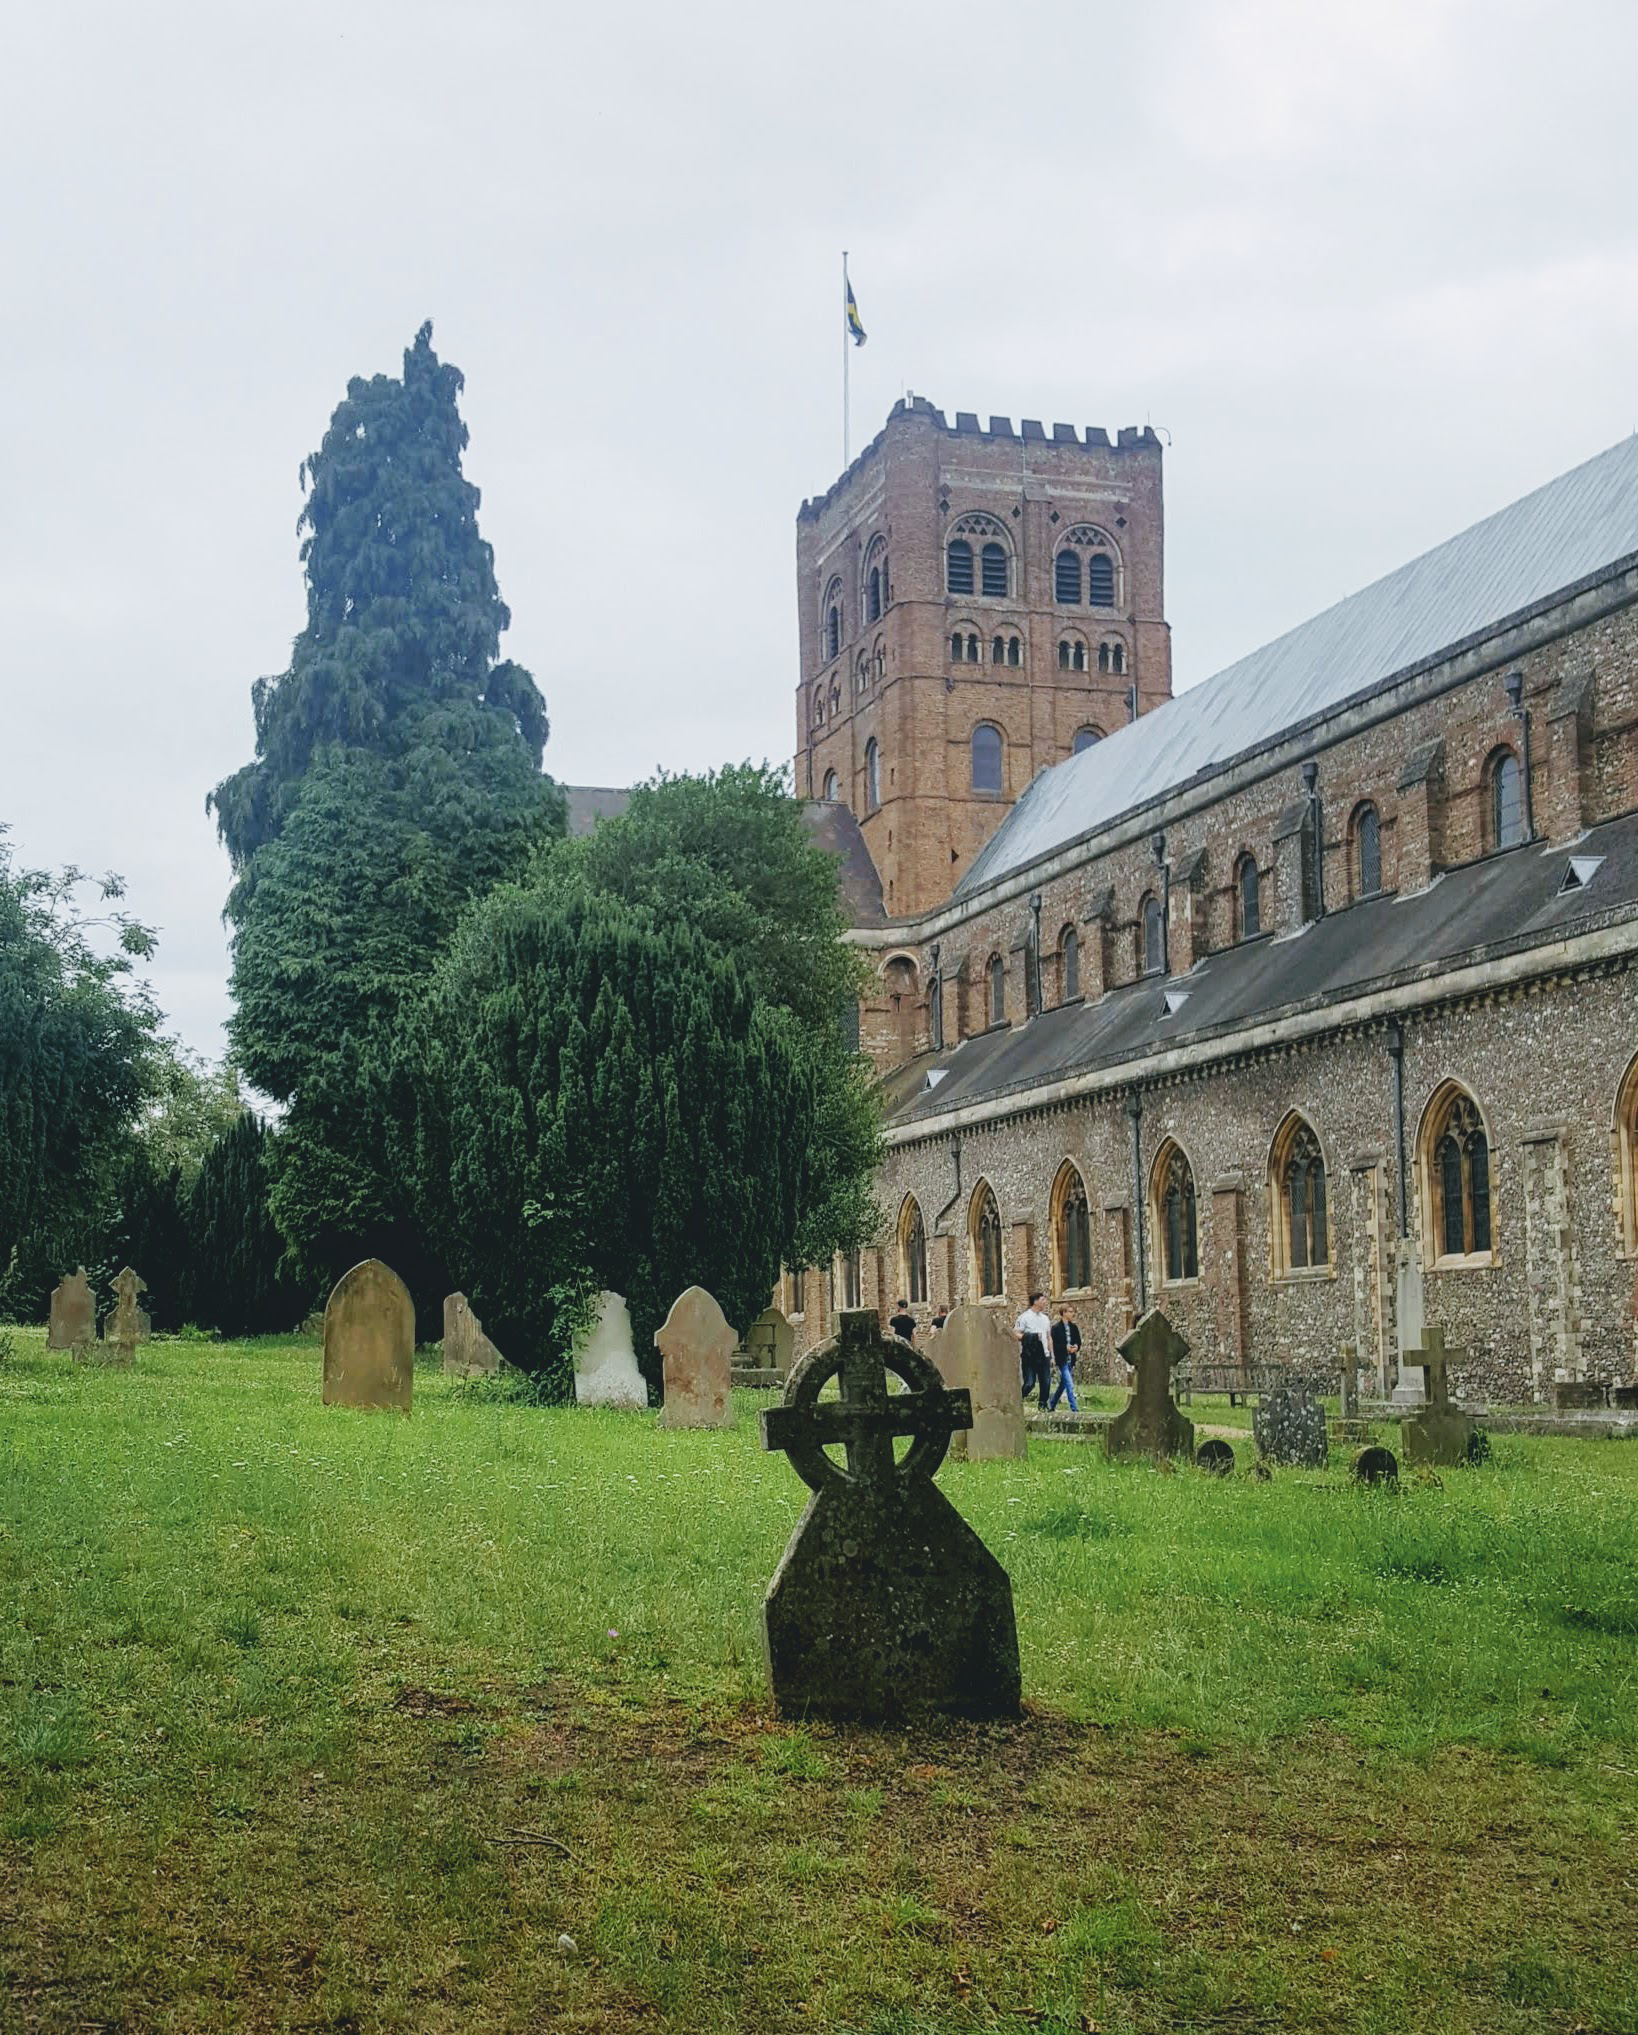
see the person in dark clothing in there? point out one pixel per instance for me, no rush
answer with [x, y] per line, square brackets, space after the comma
[1033, 1330]
[903, 1323]
[941, 1315]
[1066, 1347]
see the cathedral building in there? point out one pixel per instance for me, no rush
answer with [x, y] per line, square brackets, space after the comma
[1304, 1004]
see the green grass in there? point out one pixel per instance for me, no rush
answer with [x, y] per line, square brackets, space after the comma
[311, 1719]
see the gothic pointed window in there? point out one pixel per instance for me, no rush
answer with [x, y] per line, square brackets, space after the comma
[1066, 579]
[987, 758]
[1248, 884]
[984, 1229]
[992, 566]
[998, 989]
[1456, 1178]
[1154, 936]
[1367, 851]
[1069, 949]
[873, 776]
[1506, 800]
[958, 568]
[1071, 1231]
[1302, 1239]
[1176, 1217]
[912, 1252]
[1100, 580]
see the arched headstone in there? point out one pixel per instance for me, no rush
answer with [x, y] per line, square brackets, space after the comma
[1376, 1465]
[1289, 1425]
[1216, 1457]
[697, 1346]
[369, 1340]
[605, 1363]
[73, 1313]
[976, 1352]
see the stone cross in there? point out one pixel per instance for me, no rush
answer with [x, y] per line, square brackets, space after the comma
[886, 1603]
[1440, 1432]
[1435, 1357]
[125, 1325]
[1150, 1424]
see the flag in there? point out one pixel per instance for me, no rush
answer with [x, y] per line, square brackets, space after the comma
[855, 328]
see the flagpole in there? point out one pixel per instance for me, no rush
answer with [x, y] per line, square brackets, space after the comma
[847, 347]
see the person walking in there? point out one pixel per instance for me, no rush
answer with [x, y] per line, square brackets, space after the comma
[903, 1323]
[1066, 1347]
[941, 1314]
[1034, 1331]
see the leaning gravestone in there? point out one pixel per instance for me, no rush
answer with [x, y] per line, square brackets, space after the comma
[124, 1325]
[975, 1354]
[697, 1347]
[1150, 1424]
[605, 1362]
[369, 1340]
[468, 1352]
[1440, 1433]
[1289, 1426]
[73, 1313]
[886, 1602]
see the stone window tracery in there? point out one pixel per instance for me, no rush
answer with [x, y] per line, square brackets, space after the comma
[1071, 1231]
[1367, 851]
[1177, 1229]
[912, 1252]
[1458, 1215]
[984, 1230]
[1301, 1221]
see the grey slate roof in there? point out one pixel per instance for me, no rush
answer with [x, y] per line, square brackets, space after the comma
[1496, 905]
[1567, 531]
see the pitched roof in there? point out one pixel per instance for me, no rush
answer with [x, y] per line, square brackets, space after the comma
[1564, 532]
[1500, 904]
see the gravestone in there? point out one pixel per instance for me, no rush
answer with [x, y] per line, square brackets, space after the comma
[1348, 1383]
[1572, 1395]
[1216, 1457]
[73, 1313]
[975, 1354]
[886, 1602]
[124, 1325]
[605, 1362]
[1289, 1426]
[369, 1340]
[1410, 1315]
[1440, 1433]
[468, 1352]
[1150, 1424]
[697, 1347]
[769, 1345]
[1376, 1465]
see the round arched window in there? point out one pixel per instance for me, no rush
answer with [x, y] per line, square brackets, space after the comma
[987, 758]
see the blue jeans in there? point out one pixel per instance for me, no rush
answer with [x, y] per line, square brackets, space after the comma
[1065, 1388]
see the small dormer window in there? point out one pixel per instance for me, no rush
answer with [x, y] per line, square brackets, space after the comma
[1579, 872]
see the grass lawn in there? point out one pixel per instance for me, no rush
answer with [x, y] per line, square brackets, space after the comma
[314, 1719]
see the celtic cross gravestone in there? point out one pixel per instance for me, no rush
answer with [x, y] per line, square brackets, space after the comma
[886, 1602]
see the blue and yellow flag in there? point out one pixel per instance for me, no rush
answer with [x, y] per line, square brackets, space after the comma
[855, 328]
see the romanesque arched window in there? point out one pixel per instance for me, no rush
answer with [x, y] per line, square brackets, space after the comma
[861, 673]
[830, 787]
[1084, 738]
[958, 566]
[984, 1233]
[879, 660]
[1367, 851]
[1176, 1221]
[873, 594]
[1069, 958]
[818, 705]
[1071, 1231]
[873, 776]
[1015, 651]
[1117, 656]
[992, 571]
[1506, 800]
[1456, 1179]
[1248, 897]
[987, 757]
[912, 1252]
[998, 989]
[1066, 578]
[1154, 936]
[1300, 1221]
[830, 633]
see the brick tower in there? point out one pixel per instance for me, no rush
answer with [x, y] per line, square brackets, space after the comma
[974, 604]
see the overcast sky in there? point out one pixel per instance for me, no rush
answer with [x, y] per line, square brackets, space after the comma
[1373, 267]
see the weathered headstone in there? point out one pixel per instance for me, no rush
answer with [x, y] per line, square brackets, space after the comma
[605, 1361]
[976, 1354]
[73, 1313]
[1150, 1424]
[886, 1602]
[369, 1340]
[1289, 1426]
[468, 1352]
[769, 1345]
[124, 1325]
[697, 1346]
[1440, 1432]
[1410, 1387]
[1215, 1456]
[1348, 1381]
[1376, 1465]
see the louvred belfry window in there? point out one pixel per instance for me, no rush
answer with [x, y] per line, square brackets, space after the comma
[959, 566]
[1100, 580]
[1066, 579]
[993, 571]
